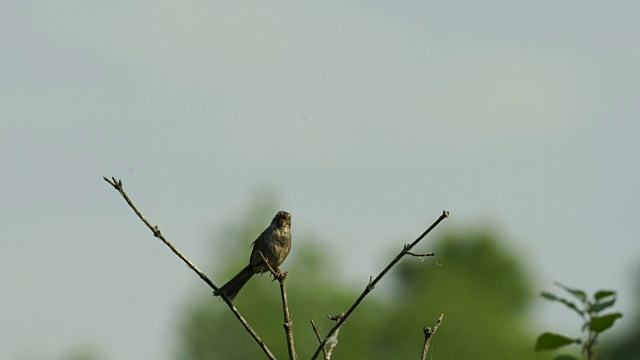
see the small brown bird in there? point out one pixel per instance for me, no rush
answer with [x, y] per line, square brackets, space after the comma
[274, 243]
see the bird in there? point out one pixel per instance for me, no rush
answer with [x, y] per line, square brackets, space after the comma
[274, 243]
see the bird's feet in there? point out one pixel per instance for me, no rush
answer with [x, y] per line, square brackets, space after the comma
[279, 275]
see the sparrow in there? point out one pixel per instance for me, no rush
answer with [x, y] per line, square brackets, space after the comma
[274, 243]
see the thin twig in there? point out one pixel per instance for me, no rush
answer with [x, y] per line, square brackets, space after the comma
[315, 330]
[372, 284]
[428, 334]
[421, 255]
[117, 184]
[288, 320]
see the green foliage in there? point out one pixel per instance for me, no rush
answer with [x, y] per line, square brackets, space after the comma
[627, 347]
[481, 288]
[483, 292]
[549, 341]
[588, 311]
[602, 323]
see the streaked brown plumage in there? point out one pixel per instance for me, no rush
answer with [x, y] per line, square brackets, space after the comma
[274, 243]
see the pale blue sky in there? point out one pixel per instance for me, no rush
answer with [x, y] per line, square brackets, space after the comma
[371, 116]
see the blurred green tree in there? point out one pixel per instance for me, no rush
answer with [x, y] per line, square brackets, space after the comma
[479, 286]
[628, 347]
[85, 352]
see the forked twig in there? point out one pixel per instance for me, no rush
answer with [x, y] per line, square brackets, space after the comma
[428, 334]
[315, 330]
[333, 341]
[117, 184]
[372, 283]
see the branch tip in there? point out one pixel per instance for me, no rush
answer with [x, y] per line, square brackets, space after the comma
[117, 184]
[428, 335]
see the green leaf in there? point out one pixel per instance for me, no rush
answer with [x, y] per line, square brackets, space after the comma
[603, 294]
[565, 357]
[577, 293]
[572, 306]
[599, 306]
[549, 341]
[602, 323]
[551, 297]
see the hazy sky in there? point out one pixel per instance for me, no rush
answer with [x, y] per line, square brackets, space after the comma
[369, 116]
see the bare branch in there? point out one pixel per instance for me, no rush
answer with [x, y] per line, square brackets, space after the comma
[428, 334]
[372, 284]
[288, 320]
[117, 184]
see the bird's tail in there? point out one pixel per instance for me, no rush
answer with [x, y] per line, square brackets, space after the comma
[233, 286]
